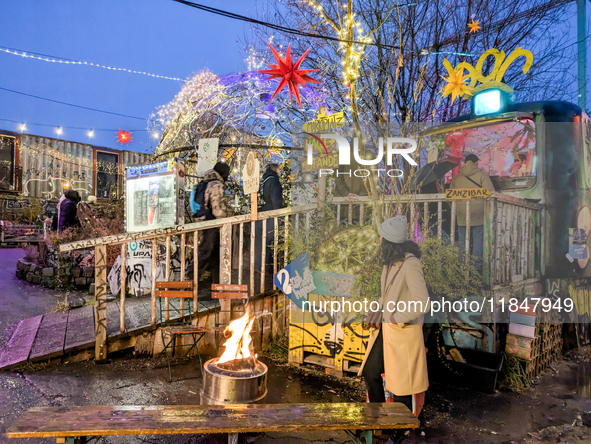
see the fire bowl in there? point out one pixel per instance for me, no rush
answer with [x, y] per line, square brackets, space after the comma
[223, 386]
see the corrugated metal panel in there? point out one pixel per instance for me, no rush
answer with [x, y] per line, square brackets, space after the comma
[49, 163]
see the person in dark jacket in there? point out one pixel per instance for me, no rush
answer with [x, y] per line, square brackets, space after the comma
[271, 193]
[67, 211]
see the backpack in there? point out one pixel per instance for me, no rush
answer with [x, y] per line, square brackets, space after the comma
[200, 201]
[261, 199]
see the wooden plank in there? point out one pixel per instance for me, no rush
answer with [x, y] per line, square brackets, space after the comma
[222, 295]
[184, 284]
[182, 257]
[195, 271]
[137, 314]
[113, 316]
[100, 308]
[174, 294]
[229, 287]
[154, 257]
[80, 330]
[45, 422]
[123, 286]
[263, 255]
[51, 336]
[19, 345]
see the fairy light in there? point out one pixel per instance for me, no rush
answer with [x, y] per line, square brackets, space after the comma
[90, 134]
[155, 135]
[59, 131]
[23, 127]
[77, 62]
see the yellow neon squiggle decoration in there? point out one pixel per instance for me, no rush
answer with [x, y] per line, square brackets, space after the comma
[478, 81]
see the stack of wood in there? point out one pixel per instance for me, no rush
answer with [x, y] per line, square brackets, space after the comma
[535, 339]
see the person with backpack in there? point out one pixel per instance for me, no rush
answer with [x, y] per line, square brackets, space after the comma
[68, 211]
[472, 177]
[208, 202]
[270, 197]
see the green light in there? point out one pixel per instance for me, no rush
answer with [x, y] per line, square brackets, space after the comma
[488, 102]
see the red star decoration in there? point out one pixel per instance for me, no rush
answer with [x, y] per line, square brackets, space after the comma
[289, 73]
[123, 137]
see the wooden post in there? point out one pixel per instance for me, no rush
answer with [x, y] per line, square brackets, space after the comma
[123, 287]
[263, 255]
[252, 241]
[254, 202]
[100, 308]
[182, 256]
[167, 277]
[487, 253]
[153, 301]
[225, 270]
[195, 270]
[321, 190]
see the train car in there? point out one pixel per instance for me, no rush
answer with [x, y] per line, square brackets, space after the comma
[539, 152]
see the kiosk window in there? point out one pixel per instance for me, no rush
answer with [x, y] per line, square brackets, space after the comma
[107, 174]
[7, 152]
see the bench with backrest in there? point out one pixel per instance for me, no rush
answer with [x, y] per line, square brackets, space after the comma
[80, 423]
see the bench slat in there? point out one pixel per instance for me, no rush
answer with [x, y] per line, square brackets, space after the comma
[171, 284]
[43, 422]
[220, 295]
[174, 294]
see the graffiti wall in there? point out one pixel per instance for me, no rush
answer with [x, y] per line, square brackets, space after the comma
[331, 341]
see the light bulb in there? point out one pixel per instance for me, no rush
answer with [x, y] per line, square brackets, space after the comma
[23, 127]
[90, 134]
[59, 131]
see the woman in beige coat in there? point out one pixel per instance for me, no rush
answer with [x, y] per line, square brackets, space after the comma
[396, 345]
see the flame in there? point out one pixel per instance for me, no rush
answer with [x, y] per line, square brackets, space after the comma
[238, 344]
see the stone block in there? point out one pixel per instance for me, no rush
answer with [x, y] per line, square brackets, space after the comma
[22, 265]
[80, 281]
[33, 268]
[90, 280]
[74, 300]
[30, 277]
[21, 275]
[47, 272]
[48, 282]
[76, 272]
[36, 279]
[68, 271]
[88, 272]
[91, 289]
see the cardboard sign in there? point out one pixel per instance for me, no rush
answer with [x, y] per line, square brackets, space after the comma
[467, 193]
[251, 177]
[296, 280]
[207, 155]
[325, 122]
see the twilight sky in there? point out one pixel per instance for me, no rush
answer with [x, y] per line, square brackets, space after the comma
[157, 36]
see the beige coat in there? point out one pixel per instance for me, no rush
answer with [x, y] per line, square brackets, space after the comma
[405, 361]
[471, 170]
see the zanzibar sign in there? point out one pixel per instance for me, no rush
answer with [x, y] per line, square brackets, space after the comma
[467, 193]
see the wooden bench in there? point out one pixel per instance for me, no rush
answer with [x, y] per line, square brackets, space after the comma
[83, 422]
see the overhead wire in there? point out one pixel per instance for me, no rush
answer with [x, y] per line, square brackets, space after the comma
[73, 105]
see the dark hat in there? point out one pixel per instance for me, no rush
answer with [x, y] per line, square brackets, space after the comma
[473, 157]
[222, 169]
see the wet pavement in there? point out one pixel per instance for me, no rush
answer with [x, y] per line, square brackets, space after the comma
[557, 409]
[554, 410]
[20, 299]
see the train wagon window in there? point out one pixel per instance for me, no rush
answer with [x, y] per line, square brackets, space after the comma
[7, 156]
[107, 174]
[506, 151]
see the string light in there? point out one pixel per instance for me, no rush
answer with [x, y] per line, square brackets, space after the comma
[55, 59]
[23, 127]
[155, 135]
[90, 134]
[59, 131]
